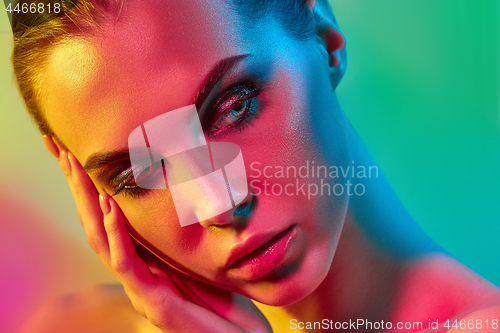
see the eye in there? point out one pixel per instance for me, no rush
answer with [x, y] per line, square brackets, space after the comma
[234, 115]
[128, 187]
[125, 181]
[235, 109]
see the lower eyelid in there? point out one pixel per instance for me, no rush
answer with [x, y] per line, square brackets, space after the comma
[242, 121]
[131, 189]
[135, 192]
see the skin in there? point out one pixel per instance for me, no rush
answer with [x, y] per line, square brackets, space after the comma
[374, 271]
[108, 102]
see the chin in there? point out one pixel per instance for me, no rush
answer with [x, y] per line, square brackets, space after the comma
[289, 286]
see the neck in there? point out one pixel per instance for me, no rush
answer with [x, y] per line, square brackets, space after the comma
[360, 284]
[378, 238]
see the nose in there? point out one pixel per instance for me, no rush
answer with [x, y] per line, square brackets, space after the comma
[237, 217]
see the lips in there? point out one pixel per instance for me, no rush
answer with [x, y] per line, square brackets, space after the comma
[260, 254]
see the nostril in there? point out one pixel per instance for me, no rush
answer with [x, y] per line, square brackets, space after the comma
[245, 208]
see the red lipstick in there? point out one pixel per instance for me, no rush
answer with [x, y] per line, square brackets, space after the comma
[259, 255]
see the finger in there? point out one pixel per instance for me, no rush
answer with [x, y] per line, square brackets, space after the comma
[156, 265]
[87, 204]
[50, 145]
[132, 270]
[161, 270]
[64, 164]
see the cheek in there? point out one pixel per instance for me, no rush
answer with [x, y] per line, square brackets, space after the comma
[153, 221]
[299, 128]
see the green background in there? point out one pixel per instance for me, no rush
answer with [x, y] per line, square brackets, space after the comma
[422, 89]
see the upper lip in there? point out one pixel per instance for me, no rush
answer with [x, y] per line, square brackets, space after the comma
[250, 244]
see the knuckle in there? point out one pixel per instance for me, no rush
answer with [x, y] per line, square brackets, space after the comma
[80, 217]
[77, 189]
[121, 266]
[111, 228]
[93, 244]
[138, 306]
[92, 241]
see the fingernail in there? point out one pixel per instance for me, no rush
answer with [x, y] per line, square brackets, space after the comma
[50, 145]
[104, 203]
[72, 160]
[65, 164]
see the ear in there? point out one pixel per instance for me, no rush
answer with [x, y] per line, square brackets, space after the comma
[330, 36]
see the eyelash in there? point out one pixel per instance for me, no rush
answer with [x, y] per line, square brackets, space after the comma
[240, 93]
[134, 191]
[122, 187]
[235, 96]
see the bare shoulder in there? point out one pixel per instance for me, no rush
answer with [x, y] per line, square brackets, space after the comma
[480, 321]
[98, 309]
[442, 275]
[438, 287]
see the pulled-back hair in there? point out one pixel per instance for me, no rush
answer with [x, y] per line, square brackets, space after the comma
[36, 35]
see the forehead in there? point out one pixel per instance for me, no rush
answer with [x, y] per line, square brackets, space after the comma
[97, 89]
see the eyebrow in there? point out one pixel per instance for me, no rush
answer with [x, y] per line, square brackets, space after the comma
[215, 75]
[105, 160]
[100, 160]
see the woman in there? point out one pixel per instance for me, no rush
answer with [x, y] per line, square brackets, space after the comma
[264, 78]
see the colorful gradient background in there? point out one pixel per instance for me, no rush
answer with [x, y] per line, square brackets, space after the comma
[422, 89]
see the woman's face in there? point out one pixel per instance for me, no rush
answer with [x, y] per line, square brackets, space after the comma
[278, 107]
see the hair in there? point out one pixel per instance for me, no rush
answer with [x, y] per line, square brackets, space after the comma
[35, 35]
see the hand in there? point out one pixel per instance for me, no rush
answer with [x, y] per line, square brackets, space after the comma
[169, 299]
